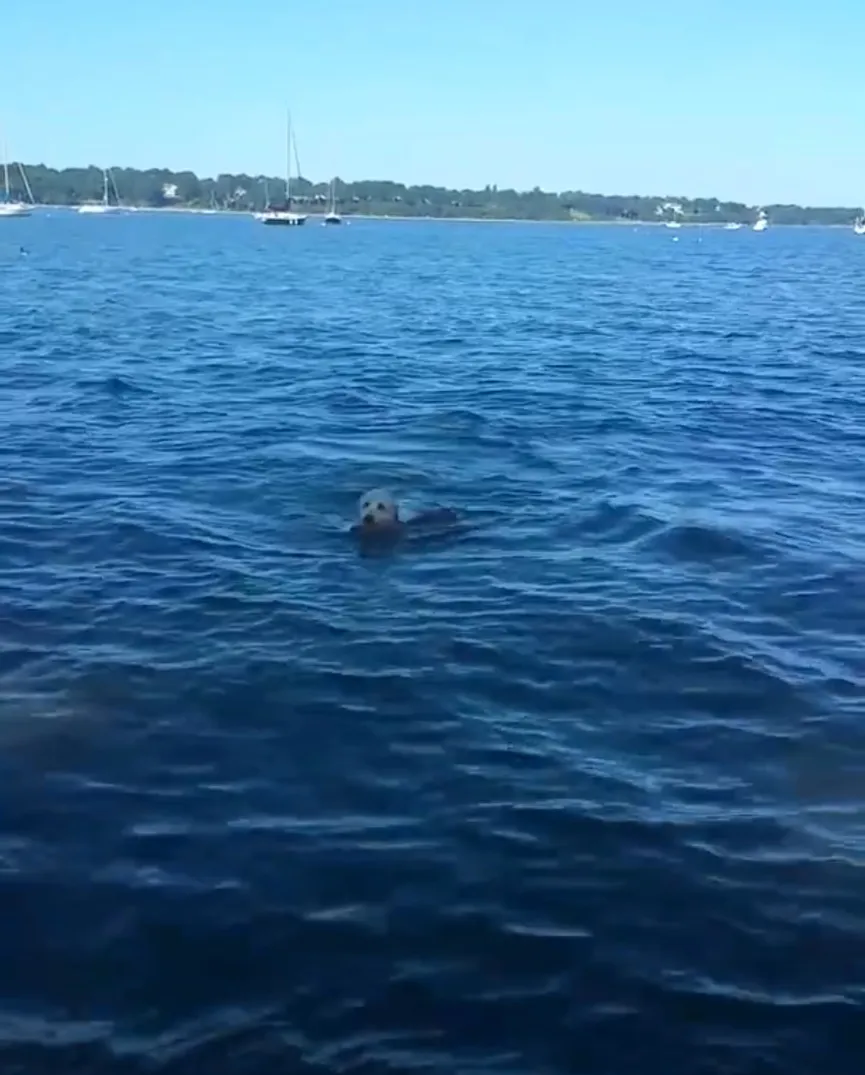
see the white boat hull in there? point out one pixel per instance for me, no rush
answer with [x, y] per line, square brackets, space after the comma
[10, 209]
[98, 210]
[286, 220]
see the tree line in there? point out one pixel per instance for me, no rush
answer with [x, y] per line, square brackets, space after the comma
[161, 187]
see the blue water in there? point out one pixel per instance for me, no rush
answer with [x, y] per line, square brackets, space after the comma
[578, 789]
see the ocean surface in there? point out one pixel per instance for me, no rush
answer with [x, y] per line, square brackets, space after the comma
[576, 788]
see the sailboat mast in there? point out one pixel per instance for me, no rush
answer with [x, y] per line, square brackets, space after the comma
[288, 163]
[6, 170]
[104, 187]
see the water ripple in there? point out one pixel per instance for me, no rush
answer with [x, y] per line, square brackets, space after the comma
[576, 789]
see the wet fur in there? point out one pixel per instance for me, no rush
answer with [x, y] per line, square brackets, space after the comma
[380, 521]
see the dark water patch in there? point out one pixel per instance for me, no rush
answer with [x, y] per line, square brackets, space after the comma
[114, 386]
[702, 544]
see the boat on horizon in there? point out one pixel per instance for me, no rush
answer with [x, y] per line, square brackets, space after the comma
[669, 213]
[332, 216]
[9, 207]
[859, 224]
[732, 225]
[762, 221]
[284, 215]
[105, 205]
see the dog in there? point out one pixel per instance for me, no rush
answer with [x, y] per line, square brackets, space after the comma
[379, 517]
[378, 509]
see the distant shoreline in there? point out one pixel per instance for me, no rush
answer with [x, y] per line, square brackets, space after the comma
[409, 218]
[715, 226]
[165, 190]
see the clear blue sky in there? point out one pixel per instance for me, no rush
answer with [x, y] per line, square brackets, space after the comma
[760, 101]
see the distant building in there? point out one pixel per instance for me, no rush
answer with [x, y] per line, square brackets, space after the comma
[669, 207]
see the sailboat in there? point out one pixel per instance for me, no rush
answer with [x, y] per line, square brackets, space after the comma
[332, 216]
[286, 216]
[762, 221]
[105, 205]
[859, 224]
[212, 208]
[8, 207]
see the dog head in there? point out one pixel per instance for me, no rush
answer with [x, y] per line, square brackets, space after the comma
[378, 508]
